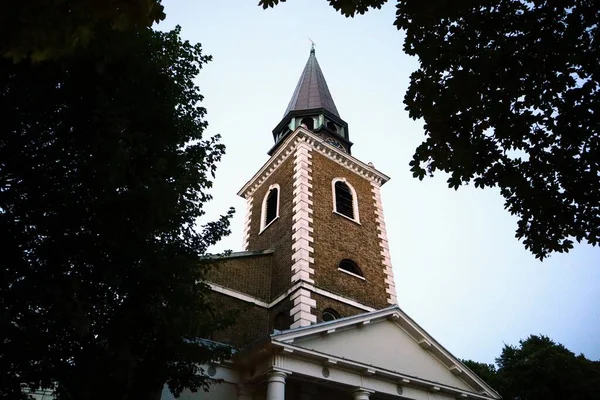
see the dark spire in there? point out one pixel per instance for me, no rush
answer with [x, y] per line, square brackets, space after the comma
[312, 91]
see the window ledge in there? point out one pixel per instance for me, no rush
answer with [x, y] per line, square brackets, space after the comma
[347, 217]
[268, 225]
[353, 274]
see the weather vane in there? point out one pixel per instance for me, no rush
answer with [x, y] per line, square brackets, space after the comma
[312, 45]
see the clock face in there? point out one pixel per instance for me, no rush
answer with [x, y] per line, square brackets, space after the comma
[334, 143]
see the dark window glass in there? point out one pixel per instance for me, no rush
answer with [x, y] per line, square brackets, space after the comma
[331, 126]
[350, 266]
[330, 315]
[343, 200]
[309, 122]
[271, 206]
[281, 322]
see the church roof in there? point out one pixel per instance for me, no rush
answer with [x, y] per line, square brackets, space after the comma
[312, 91]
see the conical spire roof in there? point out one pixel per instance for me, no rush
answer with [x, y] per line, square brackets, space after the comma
[312, 91]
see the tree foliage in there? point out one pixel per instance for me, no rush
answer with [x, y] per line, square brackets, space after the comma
[540, 369]
[103, 173]
[49, 29]
[509, 91]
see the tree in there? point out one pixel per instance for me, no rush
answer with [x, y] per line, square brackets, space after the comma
[487, 372]
[540, 369]
[50, 29]
[509, 91]
[104, 171]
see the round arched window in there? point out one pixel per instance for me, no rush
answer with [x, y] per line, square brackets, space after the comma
[350, 266]
[330, 315]
[281, 322]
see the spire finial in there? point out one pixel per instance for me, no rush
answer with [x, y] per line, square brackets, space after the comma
[312, 46]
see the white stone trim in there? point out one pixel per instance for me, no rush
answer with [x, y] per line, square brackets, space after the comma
[237, 295]
[263, 208]
[354, 199]
[286, 149]
[351, 273]
[293, 289]
[302, 235]
[247, 222]
[341, 299]
[383, 243]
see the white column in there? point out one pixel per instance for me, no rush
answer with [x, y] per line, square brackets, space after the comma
[276, 386]
[361, 394]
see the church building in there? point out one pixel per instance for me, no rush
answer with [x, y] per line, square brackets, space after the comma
[319, 317]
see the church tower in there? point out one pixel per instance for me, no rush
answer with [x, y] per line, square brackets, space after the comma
[315, 242]
[314, 284]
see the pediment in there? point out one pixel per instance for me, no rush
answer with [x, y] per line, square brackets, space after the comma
[385, 345]
[387, 340]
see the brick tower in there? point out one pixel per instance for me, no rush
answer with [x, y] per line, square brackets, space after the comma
[315, 243]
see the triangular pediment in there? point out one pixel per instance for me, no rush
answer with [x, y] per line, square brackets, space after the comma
[387, 340]
[385, 345]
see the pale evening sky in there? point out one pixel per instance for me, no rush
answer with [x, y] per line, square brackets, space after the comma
[460, 273]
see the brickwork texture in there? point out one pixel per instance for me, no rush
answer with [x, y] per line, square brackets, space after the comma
[249, 274]
[337, 237]
[278, 235]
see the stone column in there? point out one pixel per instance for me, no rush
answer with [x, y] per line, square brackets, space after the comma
[276, 386]
[361, 394]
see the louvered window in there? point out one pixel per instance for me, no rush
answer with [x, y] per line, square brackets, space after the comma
[271, 207]
[344, 202]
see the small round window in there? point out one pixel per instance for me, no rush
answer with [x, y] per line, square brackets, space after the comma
[330, 315]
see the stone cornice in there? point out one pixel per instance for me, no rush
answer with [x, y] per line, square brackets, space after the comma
[287, 148]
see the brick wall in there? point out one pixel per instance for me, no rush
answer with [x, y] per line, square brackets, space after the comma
[279, 234]
[247, 274]
[252, 322]
[336, 237]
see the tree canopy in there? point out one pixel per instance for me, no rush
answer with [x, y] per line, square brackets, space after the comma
[509, 92]
[50, 29]
[540, 369]
[104, 171]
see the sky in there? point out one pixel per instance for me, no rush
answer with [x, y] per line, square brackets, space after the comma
[459, 271]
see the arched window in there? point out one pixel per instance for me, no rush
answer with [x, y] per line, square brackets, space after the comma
[270, 207]
[344, 199]
[351, 267]
[281, 322]
[331, 126]
[329, 315]
[308, 122]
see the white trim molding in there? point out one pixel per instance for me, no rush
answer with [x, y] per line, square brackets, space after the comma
[302, 220]
[247, 222]
[383, 243]
[351, 273]
[263, 209]
[287, 148]
[354, 199]
[300, 285]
